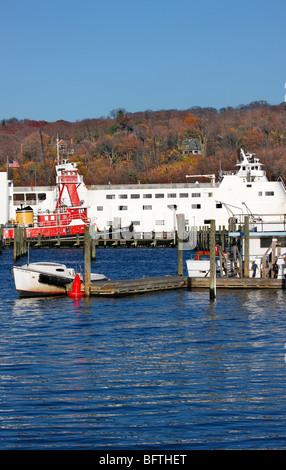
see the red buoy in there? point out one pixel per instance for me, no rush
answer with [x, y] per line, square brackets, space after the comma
[76, 293]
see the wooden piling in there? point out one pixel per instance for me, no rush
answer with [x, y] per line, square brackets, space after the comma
[15, 247]
[181, 228]
[246, 246]
[93, 250]
[1, 239]
[87, 262]
[212, 262]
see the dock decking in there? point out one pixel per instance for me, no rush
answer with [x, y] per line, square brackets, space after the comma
[237, 283]
[123, 287]
[137, 286]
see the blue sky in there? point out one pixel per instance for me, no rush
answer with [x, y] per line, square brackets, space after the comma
[73, 60]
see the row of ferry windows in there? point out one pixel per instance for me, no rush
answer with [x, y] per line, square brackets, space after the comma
[172, 195]
[158, 195]
[145, 207]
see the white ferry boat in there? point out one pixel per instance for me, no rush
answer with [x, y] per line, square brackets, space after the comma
[151, 208]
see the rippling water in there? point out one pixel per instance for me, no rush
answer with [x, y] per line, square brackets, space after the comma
[169, 370]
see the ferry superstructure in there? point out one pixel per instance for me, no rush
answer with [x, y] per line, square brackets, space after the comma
[153, 207]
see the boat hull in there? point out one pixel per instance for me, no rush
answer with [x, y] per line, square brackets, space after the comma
[33, 233]
[32, 282]
[198, 268]
[201, 267]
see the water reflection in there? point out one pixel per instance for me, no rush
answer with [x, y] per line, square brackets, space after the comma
[168, 370]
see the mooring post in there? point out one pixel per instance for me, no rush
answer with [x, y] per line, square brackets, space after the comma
[25, 240]
[93, 250]
[87, 262]
[21, 240]
[15, 246]
[1, 239]
[181, 228]
[246, 246]
[212, 262]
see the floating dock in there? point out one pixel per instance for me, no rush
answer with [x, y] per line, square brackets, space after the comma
[124, 287]
[137, 286]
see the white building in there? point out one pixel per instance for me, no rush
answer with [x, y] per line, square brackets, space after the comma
[6, 192]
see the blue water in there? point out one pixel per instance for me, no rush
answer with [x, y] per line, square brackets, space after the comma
[169, 370]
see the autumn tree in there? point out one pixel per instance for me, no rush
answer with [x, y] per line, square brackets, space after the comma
[252, 139]
[199, 128]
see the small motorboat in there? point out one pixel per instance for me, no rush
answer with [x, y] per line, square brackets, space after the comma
[199, 266]
[45, 279]
[94, 277]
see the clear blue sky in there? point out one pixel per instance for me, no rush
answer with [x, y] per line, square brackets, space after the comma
[72, 60]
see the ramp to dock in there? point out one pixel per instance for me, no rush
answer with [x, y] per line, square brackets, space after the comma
[137, 286]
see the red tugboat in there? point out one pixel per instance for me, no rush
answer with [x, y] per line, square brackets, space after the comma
[65, 220]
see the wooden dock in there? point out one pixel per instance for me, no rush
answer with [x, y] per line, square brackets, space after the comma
[237, 283]
[123, 287]
[137, 286]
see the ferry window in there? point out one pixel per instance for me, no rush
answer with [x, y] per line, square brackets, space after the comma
[147, 208]
[160, 195]
[196, 194]
[135, 222]
[172, 195]
[269, 193]
[99, 208]
[218, 205]
[196, 206]
[259, 193]
[210, 194]
[147, 196]
[122, 196]
[42, 196]
[183, 195]
[159, 222]
[31, 198]
[249, 185]
[110, 196]
[46, 217]
[122, 208]
[135, 196]
[18, 199]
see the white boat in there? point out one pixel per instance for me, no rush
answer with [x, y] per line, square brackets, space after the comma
[41, 279]
[45, 278]
[198, 268]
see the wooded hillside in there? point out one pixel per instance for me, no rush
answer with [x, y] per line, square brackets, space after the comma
[147, 146]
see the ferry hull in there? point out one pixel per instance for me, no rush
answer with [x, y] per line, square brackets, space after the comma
[48, 232]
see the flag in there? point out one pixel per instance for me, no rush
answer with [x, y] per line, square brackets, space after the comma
[13, 164]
